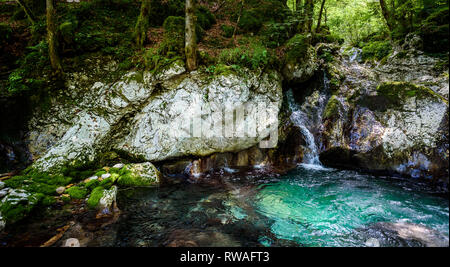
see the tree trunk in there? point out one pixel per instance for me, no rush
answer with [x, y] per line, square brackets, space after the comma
[140, 30]
[237, 22]
[320, 16]
[27, 11]
[190, 38]
[52, 38]
[386, 14]
[309, 13]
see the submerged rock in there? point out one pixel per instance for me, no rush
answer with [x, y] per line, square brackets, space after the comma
[404, 234]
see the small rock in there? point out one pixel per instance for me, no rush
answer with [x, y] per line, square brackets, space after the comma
[118, 166]
[90, 179]
[2, 185]
[372, 242]
[106, 175]
[71, 242]
[60, 190]
[4, 192]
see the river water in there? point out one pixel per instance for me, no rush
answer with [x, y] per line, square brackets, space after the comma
[309, 206]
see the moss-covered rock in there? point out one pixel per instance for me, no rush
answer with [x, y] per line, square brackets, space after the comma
[95, 197]
[139, 174]
[332, 108]
[18, 204]
[300, 61]
[77, 192]
[397, 92]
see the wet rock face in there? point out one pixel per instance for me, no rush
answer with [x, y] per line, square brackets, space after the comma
[389, 118]
[148, 116]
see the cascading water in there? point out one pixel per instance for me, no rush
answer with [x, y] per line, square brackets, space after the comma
[355, 54]
[309, 114]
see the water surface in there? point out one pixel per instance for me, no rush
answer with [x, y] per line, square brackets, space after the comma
[310, 206]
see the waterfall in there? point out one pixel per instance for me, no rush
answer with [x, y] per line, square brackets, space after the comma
[300, 119]
[356, 54]
[308, 117]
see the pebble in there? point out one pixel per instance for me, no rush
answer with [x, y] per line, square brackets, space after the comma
[106, 175]
[372, 242]
[60, 190]
[71, 242]
[2, 185]
[90, 179]
[118, 166]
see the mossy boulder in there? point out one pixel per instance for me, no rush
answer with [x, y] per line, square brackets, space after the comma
[300, 61]
[77, 192]
[397, 92]
[95, 197]
[103, 200]
[139, 174]
[18, 204]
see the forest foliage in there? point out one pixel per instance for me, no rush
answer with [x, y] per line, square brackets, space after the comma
[239, 33]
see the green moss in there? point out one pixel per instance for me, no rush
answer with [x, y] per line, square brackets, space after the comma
[100, 173]
[16, 181]
[38, 182]
[297, 48]
[95, 197]
[48, 201]
[205, 18]
[130, 178]
[251, 21]
[376, 50]
[174, 24]
[91, 184]
[65, 199]
[107, 183]
[332, 108]
[254, 57]
[397, 92]
[227, 30]
[276, 34]
[67, 31]
[76, 192]
[15, 211]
